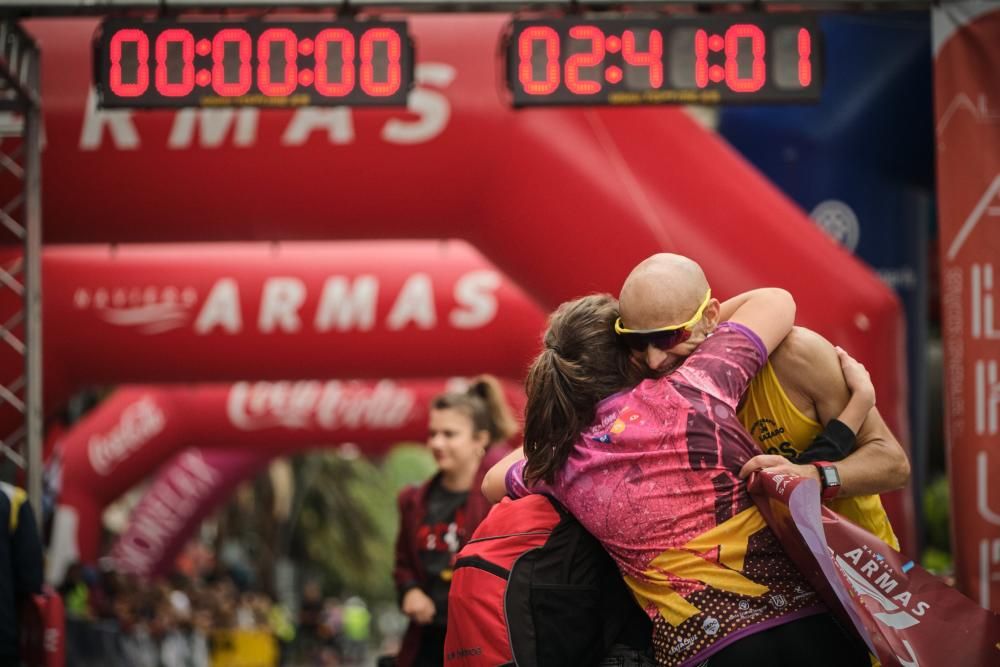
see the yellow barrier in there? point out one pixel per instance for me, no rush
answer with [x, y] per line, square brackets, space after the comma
[244, 648]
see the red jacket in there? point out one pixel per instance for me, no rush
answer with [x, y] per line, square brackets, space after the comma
[409, 570]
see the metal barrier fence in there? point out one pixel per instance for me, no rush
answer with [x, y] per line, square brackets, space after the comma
[105, 644]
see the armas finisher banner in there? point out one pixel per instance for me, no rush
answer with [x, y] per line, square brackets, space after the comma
[906, 616]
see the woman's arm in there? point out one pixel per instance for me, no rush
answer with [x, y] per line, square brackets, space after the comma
[769, 312]
[495, 481]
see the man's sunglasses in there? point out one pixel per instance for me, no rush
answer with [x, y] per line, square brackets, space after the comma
[662, 338]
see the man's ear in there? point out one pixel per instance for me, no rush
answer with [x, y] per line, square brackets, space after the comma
[711, 315]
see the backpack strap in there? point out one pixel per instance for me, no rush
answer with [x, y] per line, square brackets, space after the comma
[482, 564]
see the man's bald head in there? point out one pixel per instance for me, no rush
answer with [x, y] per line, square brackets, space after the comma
[662, 290]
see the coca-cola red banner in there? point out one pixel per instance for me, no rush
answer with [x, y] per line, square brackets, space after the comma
[136, 430]
[967, 110]
[563, 201]
[906, 616]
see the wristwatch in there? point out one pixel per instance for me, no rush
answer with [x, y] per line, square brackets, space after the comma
[829, 478]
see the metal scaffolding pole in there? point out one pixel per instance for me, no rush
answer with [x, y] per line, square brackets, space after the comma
[21, 222]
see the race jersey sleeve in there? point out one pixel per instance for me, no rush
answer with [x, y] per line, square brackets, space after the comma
[516, 488]
[724, 365]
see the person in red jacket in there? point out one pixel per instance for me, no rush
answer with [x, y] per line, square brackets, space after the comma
[437, 518]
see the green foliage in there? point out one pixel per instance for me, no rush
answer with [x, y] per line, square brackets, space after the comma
[937, 555]
[349, 519]
[937, 561]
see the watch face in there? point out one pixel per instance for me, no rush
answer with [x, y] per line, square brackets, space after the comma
[830, 476]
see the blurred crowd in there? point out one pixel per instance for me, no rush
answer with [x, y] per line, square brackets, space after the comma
[202, 621]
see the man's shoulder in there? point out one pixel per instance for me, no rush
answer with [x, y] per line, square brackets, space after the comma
[803, 361]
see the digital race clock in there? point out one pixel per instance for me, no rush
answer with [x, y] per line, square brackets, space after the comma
[206, 64]
[711, 59]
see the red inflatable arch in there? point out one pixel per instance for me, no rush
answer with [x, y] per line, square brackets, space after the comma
[257, 311]
[139, 428]
[563, 201]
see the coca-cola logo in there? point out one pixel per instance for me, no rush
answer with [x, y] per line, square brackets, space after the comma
[150, 310]
[324, 405]
[138, 423]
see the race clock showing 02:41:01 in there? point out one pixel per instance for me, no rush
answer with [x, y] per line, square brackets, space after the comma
[710, 59]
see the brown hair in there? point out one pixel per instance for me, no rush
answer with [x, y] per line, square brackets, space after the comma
[485, 404]
[583, 362]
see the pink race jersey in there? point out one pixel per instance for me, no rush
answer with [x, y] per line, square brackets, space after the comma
[655, 479]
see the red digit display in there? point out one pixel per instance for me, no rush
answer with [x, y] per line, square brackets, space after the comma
[805, 64]
[139, 86]
[244, 44]
[323, 41]
[701, 58]
[236, 62]
[265, 80]
[665, 59]
[186, 84]
[588, 59]
[368, 83]
[525, 46]
[755, 81]
[653, 58]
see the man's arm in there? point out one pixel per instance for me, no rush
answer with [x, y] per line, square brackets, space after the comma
[809, 365]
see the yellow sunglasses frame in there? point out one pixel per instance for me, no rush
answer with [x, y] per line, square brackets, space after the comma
[690, 324]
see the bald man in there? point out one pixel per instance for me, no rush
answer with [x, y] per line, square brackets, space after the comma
[667, 310]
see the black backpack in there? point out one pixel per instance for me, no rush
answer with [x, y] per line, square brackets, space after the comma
[533, 588]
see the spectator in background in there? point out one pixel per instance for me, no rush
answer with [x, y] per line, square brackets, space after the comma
[75, 593]
[357, 621]
[437, 518]
[310, 617]
[20, 566]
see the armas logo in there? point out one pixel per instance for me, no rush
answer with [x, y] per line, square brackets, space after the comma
[282, 304]
[873, 578]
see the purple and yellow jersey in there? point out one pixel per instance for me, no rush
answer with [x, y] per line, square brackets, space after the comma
[656, 480]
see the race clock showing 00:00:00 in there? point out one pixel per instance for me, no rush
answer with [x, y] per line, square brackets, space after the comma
[198, 63]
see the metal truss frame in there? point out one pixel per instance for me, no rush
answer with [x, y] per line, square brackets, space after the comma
[21, 225]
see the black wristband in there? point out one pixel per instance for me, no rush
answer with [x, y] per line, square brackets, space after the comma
[835, 442]
[841, 435]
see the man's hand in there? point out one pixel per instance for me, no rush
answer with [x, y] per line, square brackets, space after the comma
[418, 606]
[778, 464]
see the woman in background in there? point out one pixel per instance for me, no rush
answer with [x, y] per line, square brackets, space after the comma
[437, 518]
